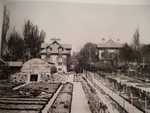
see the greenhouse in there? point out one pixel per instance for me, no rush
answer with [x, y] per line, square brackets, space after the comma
[33, 70]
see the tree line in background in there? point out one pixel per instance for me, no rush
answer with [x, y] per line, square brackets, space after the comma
[87, 57]
[20, 47]
[136, 52]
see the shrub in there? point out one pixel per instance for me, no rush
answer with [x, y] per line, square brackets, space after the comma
[35, 93]
[53, 69]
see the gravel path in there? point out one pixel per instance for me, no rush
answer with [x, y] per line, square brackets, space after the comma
[79, 101]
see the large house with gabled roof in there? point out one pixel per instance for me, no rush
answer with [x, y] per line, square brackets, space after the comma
[57, 54]
[109, 51]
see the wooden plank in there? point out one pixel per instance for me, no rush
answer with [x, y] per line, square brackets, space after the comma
[25, 99]
[20, 107]
[22, 102]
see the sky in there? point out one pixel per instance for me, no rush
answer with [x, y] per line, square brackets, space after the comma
[81, 21]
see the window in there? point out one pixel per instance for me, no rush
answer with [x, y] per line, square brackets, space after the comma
[60, 59]
[49, 49]
[60, 49]
[48, 76]
[34, 77]
[59, 63]
[59, 69]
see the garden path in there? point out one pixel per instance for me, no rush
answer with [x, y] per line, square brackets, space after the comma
[79, 101]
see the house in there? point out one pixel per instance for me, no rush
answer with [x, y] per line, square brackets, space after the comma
[34, 70]
[57, 54]
[109, 51]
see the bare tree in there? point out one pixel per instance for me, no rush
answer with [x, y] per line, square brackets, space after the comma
[87, 55]
[136, 40]
[33, 39]
[15, 46]
[145, 50]
[5, 27]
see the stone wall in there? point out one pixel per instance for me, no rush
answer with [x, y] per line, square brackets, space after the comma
[45, 77]
[19, 78]
[25, 77]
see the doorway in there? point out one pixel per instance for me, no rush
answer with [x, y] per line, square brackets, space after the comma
[34, 78]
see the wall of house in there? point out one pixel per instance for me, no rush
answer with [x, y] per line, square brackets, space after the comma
[63, 66]
[43, 57]
[19, 78]
[53, 58]
[100, 53]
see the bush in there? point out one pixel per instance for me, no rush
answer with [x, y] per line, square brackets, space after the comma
[35, 93]
[66, 106]
[53, 69]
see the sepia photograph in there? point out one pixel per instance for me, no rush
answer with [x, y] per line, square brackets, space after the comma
[74, 56]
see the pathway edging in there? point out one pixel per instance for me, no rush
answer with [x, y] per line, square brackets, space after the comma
[122, 102]
[47, 107]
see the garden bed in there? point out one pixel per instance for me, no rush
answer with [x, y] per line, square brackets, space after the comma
[16, 111]
[40, 89]
[94, 101]
[62, 104]
[31, 98]
[134, 87]
[6, 89]
[67, 88]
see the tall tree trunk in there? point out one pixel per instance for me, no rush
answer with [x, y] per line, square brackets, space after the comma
[5, 27]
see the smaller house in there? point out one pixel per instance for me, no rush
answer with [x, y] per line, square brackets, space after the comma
[34, 70]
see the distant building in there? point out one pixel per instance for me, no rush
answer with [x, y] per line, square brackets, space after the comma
[109, 51]
[57, 54]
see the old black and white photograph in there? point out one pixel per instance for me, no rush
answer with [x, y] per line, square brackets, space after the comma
[74, 56]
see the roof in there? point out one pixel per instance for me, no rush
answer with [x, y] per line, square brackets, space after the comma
[54, 48]
[43, 51]
[36, 65]
[110, 44]
[15, 63]
[66, 46]
[44, 45]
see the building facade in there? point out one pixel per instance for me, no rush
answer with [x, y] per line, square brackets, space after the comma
[109, 51]
[57, 54]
